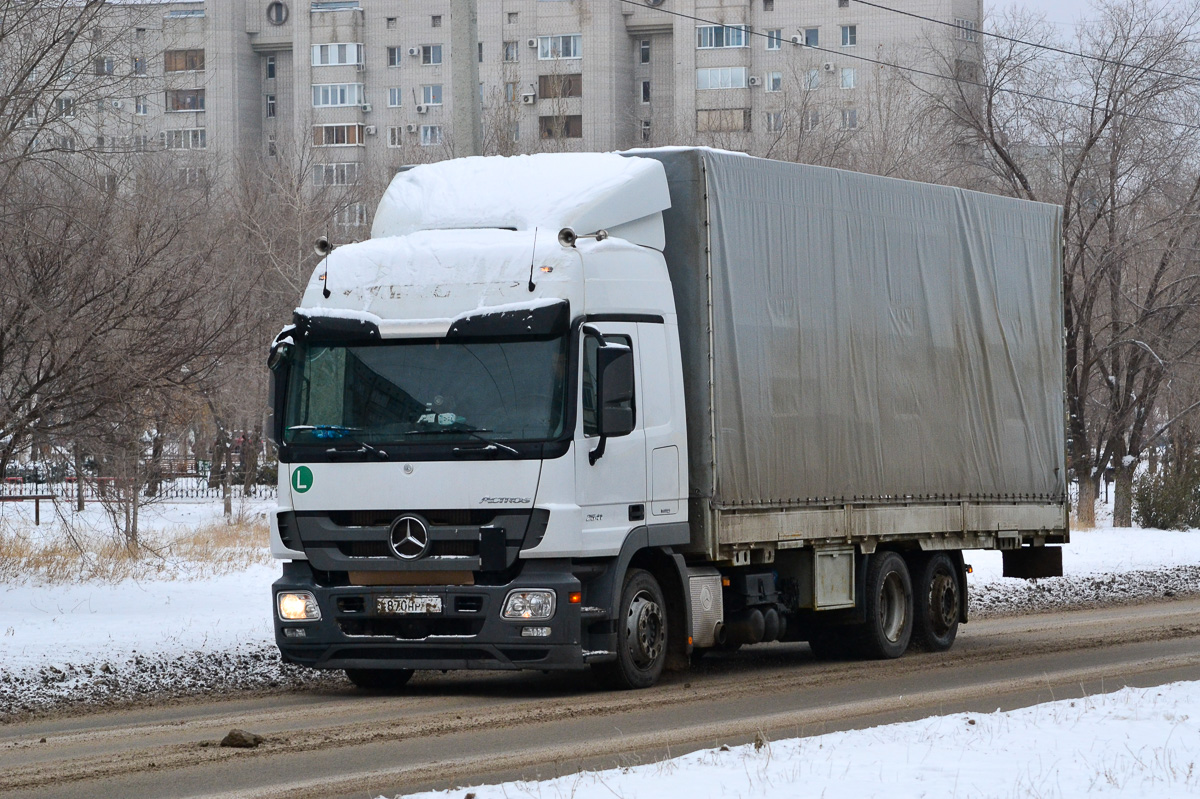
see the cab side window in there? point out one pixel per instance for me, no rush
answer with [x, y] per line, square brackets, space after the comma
[588, 389]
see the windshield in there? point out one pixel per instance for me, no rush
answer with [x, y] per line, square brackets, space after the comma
[428, 390]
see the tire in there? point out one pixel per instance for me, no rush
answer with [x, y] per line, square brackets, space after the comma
[641, 635]
[889, 608]
[379, 680]
[938, 600]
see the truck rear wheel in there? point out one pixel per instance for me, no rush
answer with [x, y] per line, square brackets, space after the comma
[889, 607]
[938, 604]
[641, 635]
[379, 680]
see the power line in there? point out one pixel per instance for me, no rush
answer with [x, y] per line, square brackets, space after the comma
[1052, 48]
[923, 72]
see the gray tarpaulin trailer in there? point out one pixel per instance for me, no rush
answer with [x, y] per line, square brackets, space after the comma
[866, 360]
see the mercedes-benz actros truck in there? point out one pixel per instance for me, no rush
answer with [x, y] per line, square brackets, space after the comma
[614, 410]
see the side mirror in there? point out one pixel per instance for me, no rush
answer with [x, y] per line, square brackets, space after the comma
[279, 362]
[614, 378]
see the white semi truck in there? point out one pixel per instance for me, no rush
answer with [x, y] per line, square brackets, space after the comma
[614, 410]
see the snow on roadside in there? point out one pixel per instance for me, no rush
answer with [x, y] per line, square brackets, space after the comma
[1132, 743]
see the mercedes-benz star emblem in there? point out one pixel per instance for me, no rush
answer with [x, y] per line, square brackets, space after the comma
[410, 537]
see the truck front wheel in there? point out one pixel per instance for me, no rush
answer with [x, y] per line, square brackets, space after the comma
[379, 680]
[938, 604]
[889, 607]
[641, 635]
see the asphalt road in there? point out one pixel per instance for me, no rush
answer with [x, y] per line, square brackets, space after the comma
[463, 727]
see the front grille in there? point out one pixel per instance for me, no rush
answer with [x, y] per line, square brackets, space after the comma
[452, 549]
[410, 629]
[365, 549]
[437, 549]
[384, 518]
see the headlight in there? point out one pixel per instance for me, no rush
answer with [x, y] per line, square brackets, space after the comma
[298, 606]
[525, 605]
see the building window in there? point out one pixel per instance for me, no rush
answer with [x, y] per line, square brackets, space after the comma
[849, 35]
[65, 143]
[183, 61]
[561, 127]
[512, 17]
[432, 94]
[775, 121]
[644, 51]
[774, 39]
[277, 13]
[645, 130]
[65, 106]
[329, 95]
[345, 174]
[337, 135]
[391, 23]
[431, 135]
[480, 54]
[185, 100]
[270, 67]
[431, 54]
[395, 136]
[849, 118]
[139, 105]
[848, 78]
[337, 5]
[270, 106]
[511, 92]
[774, 81]
[721, 78]
[812, 119]
[139, 34]
[512, 52]
[395, 97]
[560, 85]
[812, 79]
[768, 5]
[104, 66]
[553, 48]
[395, 56]
[184, 139]
[139, 65]
[272, 150]
[723, 120]
[332, 55]
[968, 29]
[186, 12]
[192, 176]
[714, 36]
[812, 37]
[353, 215]
[645, 91]
[515, 132]
[435, 21]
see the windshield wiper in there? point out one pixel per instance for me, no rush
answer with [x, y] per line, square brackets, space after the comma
[330, 431]
[471, 431]
[362, 448]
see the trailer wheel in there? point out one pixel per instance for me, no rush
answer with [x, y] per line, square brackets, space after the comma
[379, 680]
[889, 607]
[641, 635]
[938, 604]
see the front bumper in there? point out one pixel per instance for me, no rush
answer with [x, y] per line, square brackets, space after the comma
[467, 634]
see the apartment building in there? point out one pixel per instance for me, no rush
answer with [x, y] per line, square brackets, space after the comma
[365, 84]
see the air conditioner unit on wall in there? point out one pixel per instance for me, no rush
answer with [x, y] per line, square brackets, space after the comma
[414, 51]
[827, 66]
[421, 109]
[370, 130]
[529, 98]
[411, 127]
[532, 42]
[366, 107]
[361, 67]
[797, 40]
[117, 104]
[755, 80]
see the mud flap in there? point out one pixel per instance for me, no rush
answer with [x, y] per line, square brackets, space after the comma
[1033, 562]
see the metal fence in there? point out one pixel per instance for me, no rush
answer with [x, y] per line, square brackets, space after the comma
[196, 488]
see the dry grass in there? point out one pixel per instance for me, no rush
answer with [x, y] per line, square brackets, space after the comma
[91, 555]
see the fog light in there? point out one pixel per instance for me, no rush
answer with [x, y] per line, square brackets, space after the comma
[298, 606]
[535, 632]
[295, 632]
[537, 604]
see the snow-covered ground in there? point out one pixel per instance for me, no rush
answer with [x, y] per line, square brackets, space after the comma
[197, 628]
[1131, 743]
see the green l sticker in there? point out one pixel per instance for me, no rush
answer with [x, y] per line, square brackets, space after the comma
[302, 479]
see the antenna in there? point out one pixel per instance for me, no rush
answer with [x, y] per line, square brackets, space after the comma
[322, 247]
[533, 259]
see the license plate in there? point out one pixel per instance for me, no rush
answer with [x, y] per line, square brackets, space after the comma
[408, 605]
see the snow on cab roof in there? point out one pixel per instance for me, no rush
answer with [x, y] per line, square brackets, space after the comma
[584, 191]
